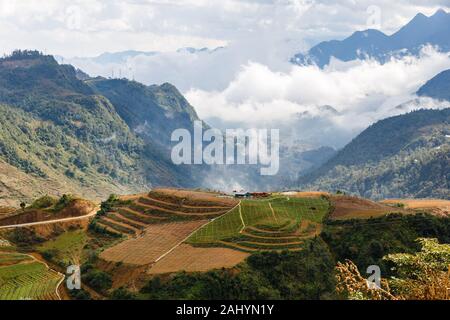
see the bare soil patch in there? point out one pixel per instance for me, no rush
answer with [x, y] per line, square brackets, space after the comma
[347, 207]
[191, 259]
[306, 194]
[193, 198]
[433, 206]
[76, 209]
[156, 240]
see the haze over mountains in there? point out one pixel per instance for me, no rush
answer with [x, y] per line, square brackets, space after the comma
[374, 44]
[406, 156]
[184, 67]
[63, 130]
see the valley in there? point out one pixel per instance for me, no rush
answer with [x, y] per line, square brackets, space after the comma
[135, 240]
[292, 162]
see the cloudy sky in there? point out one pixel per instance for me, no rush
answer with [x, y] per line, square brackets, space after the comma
[90, 27]
[249, 82]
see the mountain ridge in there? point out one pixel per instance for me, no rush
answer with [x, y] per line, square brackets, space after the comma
[55, 127]
[437, 88]
[409, 40]
[398, 157]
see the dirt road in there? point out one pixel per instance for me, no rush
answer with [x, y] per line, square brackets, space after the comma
[24, 225]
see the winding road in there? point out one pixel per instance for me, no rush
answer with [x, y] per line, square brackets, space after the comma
[31, 224]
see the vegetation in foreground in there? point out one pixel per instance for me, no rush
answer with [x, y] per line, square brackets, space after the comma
[310, 273]
[23, 278]
[424, 275]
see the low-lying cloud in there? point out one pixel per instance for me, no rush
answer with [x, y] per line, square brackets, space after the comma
[347, 97]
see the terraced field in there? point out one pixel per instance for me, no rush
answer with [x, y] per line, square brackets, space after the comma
[153, 244]
[191, 259]
[161, 207]
[157, 222]
[278, 223]
[23, 278]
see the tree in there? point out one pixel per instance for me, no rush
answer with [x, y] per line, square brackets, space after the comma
[424, 275]
[23, 205]
[123, 294]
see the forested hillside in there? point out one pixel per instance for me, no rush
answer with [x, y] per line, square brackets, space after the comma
[438, 87]
[403, 156]
[59, 129]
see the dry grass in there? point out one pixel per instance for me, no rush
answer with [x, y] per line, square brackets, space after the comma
[352, 284]
[191, 259]
[434, 206]
[347, 207]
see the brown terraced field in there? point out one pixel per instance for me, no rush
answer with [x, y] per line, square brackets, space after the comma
[157, 240]
[163, 206]
[157, 222]
[191, 259]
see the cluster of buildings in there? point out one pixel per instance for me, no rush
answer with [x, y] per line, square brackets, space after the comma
[245, 194]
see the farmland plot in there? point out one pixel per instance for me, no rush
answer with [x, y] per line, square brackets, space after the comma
[279, 223]
[190, 259]
[23, 278]
[134, 214]
[156, 240]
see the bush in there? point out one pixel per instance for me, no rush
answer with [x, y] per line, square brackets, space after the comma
[43, 202]
[63, 202]
[80, 295]
[49, 254]
[123, 294]
[97, 279]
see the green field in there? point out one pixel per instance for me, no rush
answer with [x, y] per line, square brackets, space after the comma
[66, 248]
[22, 278]
[272, 224]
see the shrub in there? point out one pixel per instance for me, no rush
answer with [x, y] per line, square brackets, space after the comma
[43, 202]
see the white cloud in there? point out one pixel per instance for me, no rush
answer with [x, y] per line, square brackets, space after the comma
[249, 82]
[89, 27]
[361, 92]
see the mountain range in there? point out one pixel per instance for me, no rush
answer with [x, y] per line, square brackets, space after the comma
[409, 40]
[406, 156]
[63, 131]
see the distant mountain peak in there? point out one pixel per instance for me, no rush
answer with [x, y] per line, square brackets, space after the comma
[438, 87]
[441, 13]
[409, 40]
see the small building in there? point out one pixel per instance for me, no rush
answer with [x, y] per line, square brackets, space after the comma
[242, 194]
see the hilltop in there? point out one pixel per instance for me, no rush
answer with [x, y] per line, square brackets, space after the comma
[65, 135]
[438, 87]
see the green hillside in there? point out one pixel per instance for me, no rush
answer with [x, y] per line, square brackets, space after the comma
[274, 224]
[399, 157]
[438, 87]
[61, 131]
[147, 109]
